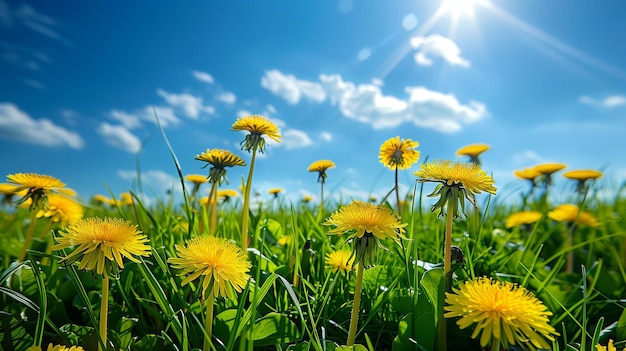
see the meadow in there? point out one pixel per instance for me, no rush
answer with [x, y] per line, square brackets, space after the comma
[444, 266]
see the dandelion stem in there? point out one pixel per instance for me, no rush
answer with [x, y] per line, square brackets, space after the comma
[354, 318]
[29, 236]
[246, 204]
[398, 195]
[212, 204]
[104, 311]
[320, 215]
[447, 257]
[208, 323]
[495, 344]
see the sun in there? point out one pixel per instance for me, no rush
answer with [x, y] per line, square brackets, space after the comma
[459, 8]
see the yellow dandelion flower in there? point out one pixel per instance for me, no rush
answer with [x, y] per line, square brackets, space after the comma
[275, 191]
[457, 180]
[522, 217]
[396, 153]
[227, 193]
[367, 224]
[57, 348]
[582, 176]
[257, 126]
[572, 213]
[102, 243]
[321, 166]
[549, 168]
[126, 199]
[220, 264]
[101, 199]
[196, 178]
[62, 209]
[38, 187]
[473, 151]
[527, 174]
[609, 347]
[340, 261]
[219, 159]
[307, 198]
[501, 312]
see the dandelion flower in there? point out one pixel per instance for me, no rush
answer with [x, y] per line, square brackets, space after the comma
[582, 176]
[527, 174]
[321, 166]
[473, 151]
[340, 261]
[102, 243]
[522, 218]
[547, 169]
[457, 180]
[62, 209]
[219, 263]
[100, 199]
[219, 160]
[396, 153]
[275, 191]
[572, 213]
[126, 199]
[501, 312]
[367, 224]
[257, 126]
[38, 187]
[196, 178]
[57, 348]
[226, 194]
[307, 198]
[609, 347]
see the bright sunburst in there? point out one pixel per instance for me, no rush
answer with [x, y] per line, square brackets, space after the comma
[459, 8]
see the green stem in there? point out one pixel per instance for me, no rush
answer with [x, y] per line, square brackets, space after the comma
[447, 257]
[320, 214]
[354, 318]
[495, 344]
[29, 236]
[213, 201]
[104, 311]
[398, 195]
[208, 323]
[246, 205]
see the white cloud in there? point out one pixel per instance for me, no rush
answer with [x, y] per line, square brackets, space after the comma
[203, 77]
[38, 22]
[16, 124]
[119, 137]
[296, 139]
[133, 120]
[437, 46]
[326, 136]
[34, 83]
[608, 102]
[271, 109]
[190, 105]
[364, 54]
[527, 157]
[425, 108]
[292, 89]
[227, 97]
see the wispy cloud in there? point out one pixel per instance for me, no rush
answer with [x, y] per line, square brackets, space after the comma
[437, 46]
[326, 136]
[34, 83]
[18, 125]
[296, 139]
[133, 120]
[292, 89]
[153, 181]
[609, 101]
[35, 21]
[191, 106]
[203, 77]
[119, 137]
[227, 97]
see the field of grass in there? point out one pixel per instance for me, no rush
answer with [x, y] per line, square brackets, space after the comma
[294, 300]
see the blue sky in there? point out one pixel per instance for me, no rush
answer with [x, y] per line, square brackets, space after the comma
[539, 81]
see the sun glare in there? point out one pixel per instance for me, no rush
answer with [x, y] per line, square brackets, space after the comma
[459, 8]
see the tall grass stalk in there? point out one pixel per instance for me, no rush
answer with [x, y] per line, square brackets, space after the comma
[354, 316]
[104, 311]
[246, 203]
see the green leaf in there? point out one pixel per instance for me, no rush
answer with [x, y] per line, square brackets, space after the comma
[274, 328]
[152, 342]
[621, 326]
[357, 347]
[432, 285]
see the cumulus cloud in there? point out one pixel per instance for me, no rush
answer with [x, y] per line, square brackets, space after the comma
[609, 101]
[296, 139]
[203, 77]
[437, 46]
[190, 105]
[119, 137]
[423, 107]
[18, 125]
[292, 89]
[227, 97]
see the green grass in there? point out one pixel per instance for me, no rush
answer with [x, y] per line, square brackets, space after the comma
[149, 310]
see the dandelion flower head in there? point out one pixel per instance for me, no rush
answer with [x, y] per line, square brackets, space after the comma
[582, 174]
[473, 151]
[227, 193]
[609, 347]
[257, 126]
[500, 312]
[57, 348]
[196, 178]
[527, 174]
[102, 243]
[275, 191]
[321, 166]
[219, 263]
[396, 153]
[219, 159]
[341, 260]
[62, 209]
[100, 199]
[38, 187]
[522, 218]
[570, 213]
